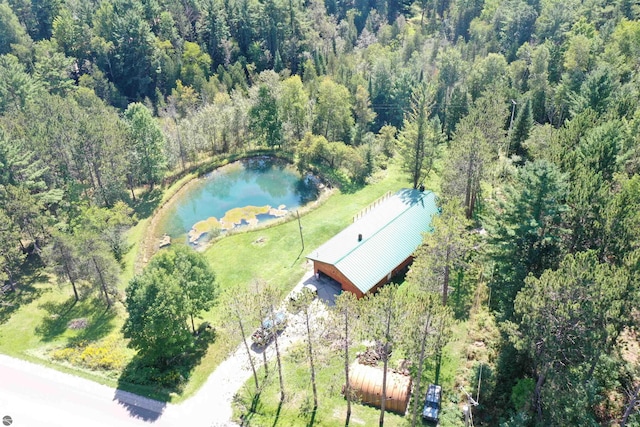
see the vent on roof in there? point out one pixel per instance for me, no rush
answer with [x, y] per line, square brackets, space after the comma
[360, 237]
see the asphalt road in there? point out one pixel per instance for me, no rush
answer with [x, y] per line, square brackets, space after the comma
[35, 396]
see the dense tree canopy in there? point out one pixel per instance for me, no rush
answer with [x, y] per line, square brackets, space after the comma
[523, 115]
[176, 286]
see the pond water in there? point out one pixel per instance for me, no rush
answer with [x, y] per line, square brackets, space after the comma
[249, 191]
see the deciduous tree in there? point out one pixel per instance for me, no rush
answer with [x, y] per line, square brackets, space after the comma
[333, 111]
[265, 118]
[194, 277]
[294, 108]
[149, 160]
[157, 323]
[175, 286]
[364, 114]
[195, 66]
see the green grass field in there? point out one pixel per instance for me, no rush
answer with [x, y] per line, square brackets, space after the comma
[297, 407]
[33, 321]
[275, 255]
[263, 409]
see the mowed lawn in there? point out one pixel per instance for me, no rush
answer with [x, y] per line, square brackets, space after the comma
[39, 314]
[275, 256]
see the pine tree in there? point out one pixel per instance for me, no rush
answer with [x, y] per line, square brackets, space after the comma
[520, 132]
[419, 137]
[528, 231]
[345, 317]
[442, 251]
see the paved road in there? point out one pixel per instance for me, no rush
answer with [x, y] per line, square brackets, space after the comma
[35, 396]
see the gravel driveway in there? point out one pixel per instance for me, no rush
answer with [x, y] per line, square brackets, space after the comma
[35, 395]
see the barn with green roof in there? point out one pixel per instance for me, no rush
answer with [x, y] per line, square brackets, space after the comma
[380, 242]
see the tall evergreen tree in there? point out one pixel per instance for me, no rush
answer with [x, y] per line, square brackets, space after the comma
[520, 132]
[384, 313]
[100, 268]
[528, 234]
[476, 143]
[345, 317]
[419, 137]
[442, 251]
[11, 257]
[567, 319]
[62, 255]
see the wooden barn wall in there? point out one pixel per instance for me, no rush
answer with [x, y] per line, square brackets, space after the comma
[333, 272]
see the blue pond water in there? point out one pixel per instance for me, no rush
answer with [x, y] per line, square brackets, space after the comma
[257, 181]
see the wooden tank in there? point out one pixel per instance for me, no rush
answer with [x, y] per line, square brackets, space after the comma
[366, 385]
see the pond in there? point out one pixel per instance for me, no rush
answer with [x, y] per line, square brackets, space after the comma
[246, 192]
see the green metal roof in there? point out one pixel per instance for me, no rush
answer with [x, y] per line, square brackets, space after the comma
[391, 232]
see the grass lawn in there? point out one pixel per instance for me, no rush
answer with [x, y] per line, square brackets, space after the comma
[263, 409]
[40, 324]
[34, 320]
[298, 405]
[275, 255]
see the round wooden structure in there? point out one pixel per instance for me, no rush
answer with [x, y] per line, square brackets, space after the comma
[366, 385]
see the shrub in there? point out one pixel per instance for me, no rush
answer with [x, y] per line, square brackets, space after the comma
[107, 354]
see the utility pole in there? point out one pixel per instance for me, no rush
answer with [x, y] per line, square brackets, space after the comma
[465, 409]
[468, 415]
[300, 226]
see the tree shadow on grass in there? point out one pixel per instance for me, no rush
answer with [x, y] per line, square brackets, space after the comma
[334, 178]
[461, 295]
[94, 319]
[350, 187]
[249, 403]
[277, 417]
[312, 420]
[158, 380]
[25, 290]
[11, 301]
[147, 203]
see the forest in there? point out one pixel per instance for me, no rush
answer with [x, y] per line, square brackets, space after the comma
[522, 115]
